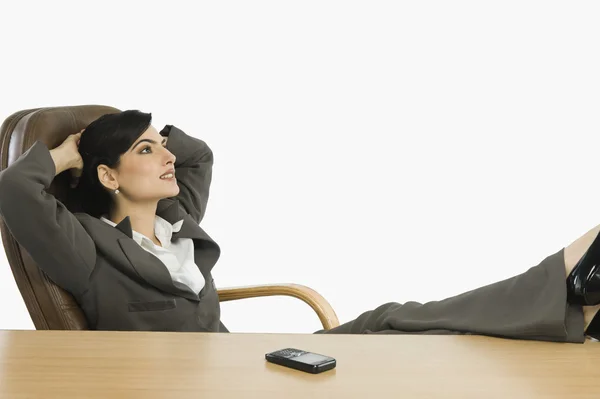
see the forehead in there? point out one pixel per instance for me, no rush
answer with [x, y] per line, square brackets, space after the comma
[150, 133]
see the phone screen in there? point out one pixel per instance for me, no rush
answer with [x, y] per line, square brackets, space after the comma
[311, 358]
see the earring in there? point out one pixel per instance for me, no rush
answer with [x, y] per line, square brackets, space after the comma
[116, 191]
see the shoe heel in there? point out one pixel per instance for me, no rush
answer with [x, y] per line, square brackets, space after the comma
[593, 329]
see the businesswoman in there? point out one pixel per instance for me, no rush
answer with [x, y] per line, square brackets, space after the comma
[137, 259]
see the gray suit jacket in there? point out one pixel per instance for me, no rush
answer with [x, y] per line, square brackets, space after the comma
[118, 285]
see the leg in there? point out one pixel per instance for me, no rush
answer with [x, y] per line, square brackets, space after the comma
[532, 305]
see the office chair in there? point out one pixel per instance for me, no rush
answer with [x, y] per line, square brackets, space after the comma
[50, 307]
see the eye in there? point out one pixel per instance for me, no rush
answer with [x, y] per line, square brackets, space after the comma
[149, 148]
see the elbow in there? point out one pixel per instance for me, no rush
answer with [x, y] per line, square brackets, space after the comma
[5, 186]
[8, 192]
[204, 153]
[207, 156]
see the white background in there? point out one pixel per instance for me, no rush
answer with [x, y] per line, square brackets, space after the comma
[374, 151]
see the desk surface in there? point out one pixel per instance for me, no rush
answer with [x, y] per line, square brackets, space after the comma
[90, 364]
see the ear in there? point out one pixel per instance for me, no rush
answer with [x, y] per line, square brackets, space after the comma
[108, 177]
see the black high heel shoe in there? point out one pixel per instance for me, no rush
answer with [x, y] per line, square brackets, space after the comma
[583, 283]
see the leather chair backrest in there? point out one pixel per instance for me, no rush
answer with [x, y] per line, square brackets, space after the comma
[50, 307]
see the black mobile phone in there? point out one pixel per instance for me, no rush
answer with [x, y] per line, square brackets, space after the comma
[301, 360]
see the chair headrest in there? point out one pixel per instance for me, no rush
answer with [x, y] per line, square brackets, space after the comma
[51, 126]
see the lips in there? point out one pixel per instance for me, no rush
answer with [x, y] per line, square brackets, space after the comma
[169, 175]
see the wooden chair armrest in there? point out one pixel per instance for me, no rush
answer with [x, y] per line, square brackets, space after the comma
[311, 297]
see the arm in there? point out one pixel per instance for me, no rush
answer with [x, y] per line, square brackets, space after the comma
[193, 170]
[41, 224]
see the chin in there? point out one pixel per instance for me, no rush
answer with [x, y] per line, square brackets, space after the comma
[174, 192]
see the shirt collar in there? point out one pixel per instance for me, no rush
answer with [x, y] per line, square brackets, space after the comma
[162, 229]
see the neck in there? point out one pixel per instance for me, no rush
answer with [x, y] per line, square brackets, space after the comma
[141, 217]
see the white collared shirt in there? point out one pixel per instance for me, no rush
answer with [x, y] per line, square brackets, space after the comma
[176, 255]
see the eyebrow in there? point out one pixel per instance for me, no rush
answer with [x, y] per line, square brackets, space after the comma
[149, 141]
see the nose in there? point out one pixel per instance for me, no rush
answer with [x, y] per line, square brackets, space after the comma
[170, 157]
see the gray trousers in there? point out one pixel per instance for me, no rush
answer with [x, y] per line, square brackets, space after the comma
[531, 306]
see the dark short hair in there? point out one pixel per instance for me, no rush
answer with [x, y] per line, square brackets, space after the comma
[102, 143]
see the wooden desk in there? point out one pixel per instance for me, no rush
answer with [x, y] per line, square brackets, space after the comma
[69, 364]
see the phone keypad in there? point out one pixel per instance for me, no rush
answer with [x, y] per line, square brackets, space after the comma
[289, 352]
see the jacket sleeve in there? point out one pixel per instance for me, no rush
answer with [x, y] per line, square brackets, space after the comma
[41, 224]
[193, 170]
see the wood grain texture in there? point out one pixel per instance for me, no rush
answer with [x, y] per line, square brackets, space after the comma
[315, 300]
[153, 365]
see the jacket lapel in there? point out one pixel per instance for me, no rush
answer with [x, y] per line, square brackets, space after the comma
[151, 269]
[125, 227]
[207, 250]
[170, 210]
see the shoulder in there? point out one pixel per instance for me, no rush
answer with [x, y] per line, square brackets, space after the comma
[97, 228]
[87, 218]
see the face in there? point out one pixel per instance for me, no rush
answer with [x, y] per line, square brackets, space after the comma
[142, 174]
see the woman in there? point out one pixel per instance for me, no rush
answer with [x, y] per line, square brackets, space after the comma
[136, 258]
